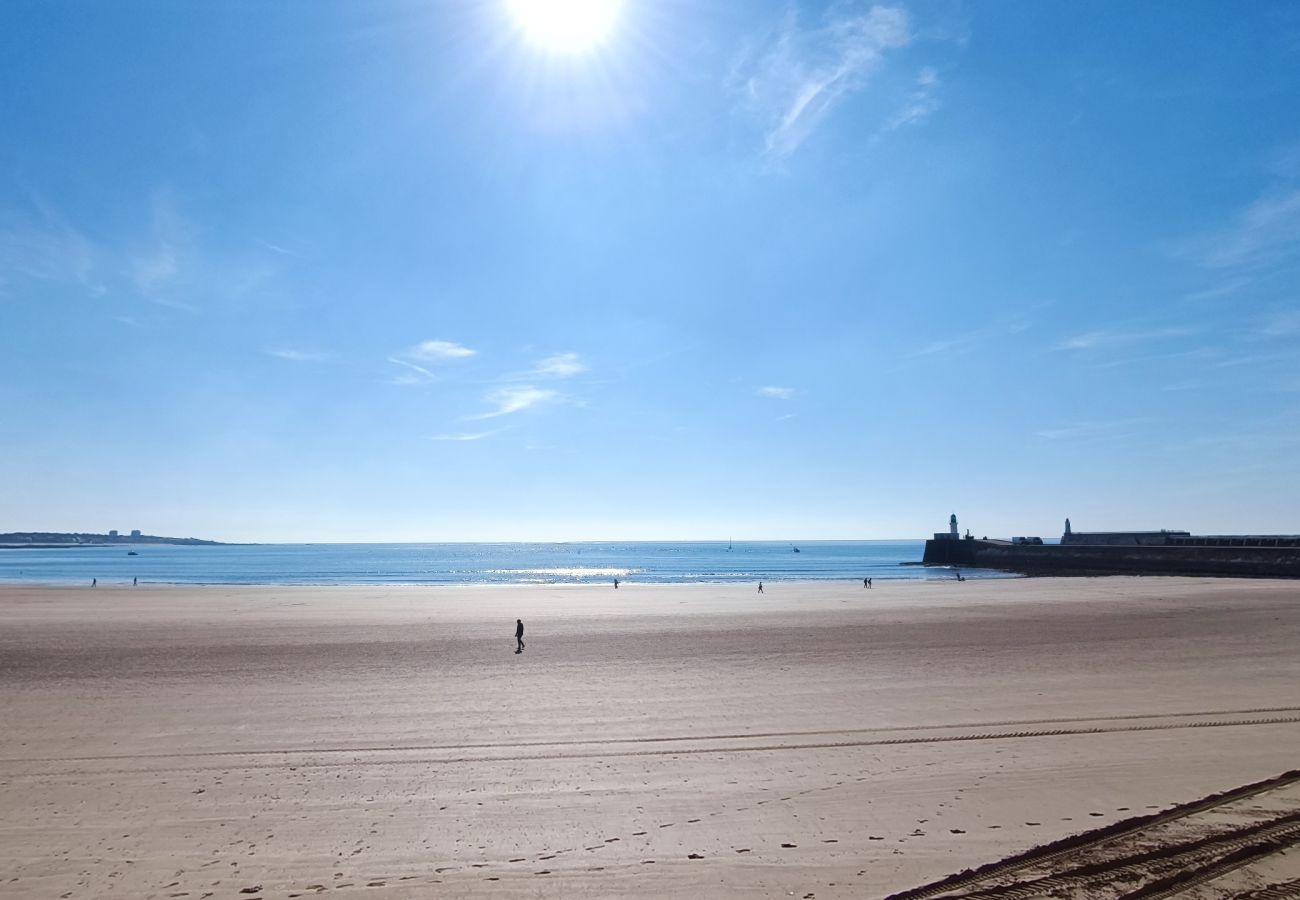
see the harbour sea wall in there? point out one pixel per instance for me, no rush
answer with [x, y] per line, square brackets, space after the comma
[1102, 559]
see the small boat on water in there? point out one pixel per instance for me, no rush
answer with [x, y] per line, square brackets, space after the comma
[132, 553]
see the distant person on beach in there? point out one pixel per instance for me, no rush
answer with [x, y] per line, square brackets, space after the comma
[866, 582]
[615, 584]
[519, 635]
[94, 581]
[958, 574]
[135, 582]
[760, 587]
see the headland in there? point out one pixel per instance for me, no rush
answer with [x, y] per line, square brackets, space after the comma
[62, 539]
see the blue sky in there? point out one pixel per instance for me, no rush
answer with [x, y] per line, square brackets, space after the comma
[401, 271]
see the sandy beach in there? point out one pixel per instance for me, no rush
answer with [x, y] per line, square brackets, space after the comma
[819, 740]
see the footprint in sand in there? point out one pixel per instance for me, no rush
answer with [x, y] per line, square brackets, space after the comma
[1096, 814]
[695, 856]
[956, 831]
[1033, 823]
[647, 862]
[610, 840]
[744, 850]
[691, 821]
[789, 845]
[543, 872]
[830, 841]
[637, 833]
[519, 859]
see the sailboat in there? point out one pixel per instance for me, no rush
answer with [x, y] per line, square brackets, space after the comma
[728, 545]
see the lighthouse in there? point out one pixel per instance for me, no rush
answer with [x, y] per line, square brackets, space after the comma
[952, 527]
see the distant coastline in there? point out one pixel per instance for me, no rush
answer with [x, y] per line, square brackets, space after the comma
[56, 540]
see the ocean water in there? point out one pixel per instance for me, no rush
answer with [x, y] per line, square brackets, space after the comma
[572, 563]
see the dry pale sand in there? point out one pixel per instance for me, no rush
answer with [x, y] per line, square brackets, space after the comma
[693, 740]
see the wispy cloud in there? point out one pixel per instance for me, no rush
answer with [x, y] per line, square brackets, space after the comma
[302, 356]
[1014, 324]
[412, 374]
[1079, 431]
[48, 248]
[156, 265]
[439, 351]
[1280, 324]
[511, 400]
[276, 248]
[464, 436]
[431, 353]
[561, 365]
[803, 73]
[1263, 233]
[1104, 339]
[776, 393]
[922, 103]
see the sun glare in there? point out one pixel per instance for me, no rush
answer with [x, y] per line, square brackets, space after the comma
[565, 26]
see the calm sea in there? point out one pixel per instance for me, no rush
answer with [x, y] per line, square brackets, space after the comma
[576, 563]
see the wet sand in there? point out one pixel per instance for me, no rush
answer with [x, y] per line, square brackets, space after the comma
[686, 740]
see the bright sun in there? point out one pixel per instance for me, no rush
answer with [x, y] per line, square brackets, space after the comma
[565, 26]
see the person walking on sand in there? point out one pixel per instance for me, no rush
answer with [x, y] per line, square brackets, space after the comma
[519, 635]
[615, 584]
[760, 587]
[135, 582]
[94, 582]
[866, 582]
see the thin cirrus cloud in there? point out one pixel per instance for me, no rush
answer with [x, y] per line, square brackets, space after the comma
[561, 365]
[412, 374]
[1103, 339]
[1266, 231]
[415, 361]
[920, 104]
[776, 393]
[302, 356]
[509, 400]
[803, 73]
[463, 437]
[439, 351]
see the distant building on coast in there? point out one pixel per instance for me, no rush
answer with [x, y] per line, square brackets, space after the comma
[1164, 552]
[951, 534]
[135, 534]
[112, 534]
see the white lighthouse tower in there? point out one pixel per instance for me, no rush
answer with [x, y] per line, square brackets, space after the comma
[952, 527]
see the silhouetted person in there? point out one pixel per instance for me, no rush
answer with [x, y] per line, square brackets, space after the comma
[519, 635]
[615, 584]
[135, 582]
[760, 587]
[958, 574]
[94, 581]
[866, 582]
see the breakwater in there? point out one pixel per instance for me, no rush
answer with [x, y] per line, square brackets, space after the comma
[1102, 559]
